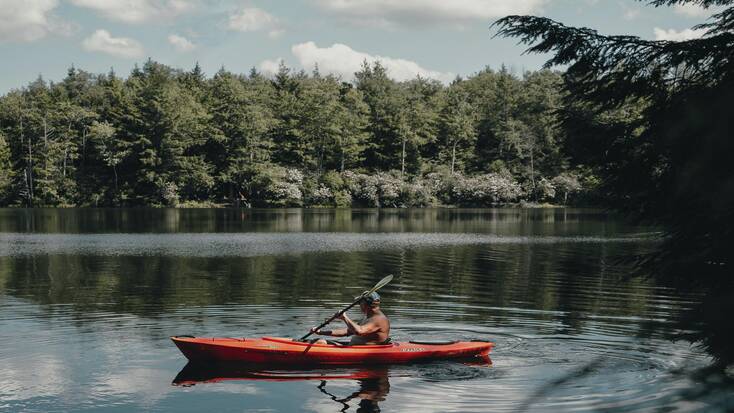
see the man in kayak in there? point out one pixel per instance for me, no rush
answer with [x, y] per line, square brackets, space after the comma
[374, 328]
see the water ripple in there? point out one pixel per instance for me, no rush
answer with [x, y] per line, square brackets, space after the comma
[256, 244]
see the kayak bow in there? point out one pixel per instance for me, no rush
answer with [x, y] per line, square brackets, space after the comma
[274, 350]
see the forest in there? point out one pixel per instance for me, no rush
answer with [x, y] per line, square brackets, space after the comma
[164, 136]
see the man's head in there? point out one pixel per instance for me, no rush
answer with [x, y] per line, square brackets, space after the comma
[371, 300]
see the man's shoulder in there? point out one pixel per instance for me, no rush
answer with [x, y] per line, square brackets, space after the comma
[377, 318]
[380, 318]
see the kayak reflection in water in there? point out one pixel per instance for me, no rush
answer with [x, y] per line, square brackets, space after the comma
[374, 382]
[374, 328]
[372, 390]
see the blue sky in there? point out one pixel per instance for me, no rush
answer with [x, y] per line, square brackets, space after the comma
[434, 38]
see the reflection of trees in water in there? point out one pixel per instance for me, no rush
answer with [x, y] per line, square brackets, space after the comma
[567, 278]
[501, 221]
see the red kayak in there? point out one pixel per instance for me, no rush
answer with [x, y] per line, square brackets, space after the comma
[274, 350]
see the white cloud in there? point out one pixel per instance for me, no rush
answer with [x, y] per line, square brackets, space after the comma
[342, 60]
[275, 33]
[391, 13]
[678, 36]
[181, 43]
[694, 10]
[102, 41]
[137, 11]
[630, 12]
[29, 20]
[252, 19]
[270, 67]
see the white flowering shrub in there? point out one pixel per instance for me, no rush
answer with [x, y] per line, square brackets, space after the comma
[545, 190]
[387, 189]
[277, 186]
[441, 184]
[169, 193]
[566, 184]
[321, 196]
[293, 176]
[489, 189]
[285, 193]
[362, 188]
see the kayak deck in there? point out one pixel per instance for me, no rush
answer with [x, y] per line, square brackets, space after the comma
[275, 350]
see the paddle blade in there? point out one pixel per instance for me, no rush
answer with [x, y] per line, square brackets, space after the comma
[383, 282]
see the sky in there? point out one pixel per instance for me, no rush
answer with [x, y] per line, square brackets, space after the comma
[440, 39]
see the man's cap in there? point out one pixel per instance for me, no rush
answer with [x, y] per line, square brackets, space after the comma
[371, 298]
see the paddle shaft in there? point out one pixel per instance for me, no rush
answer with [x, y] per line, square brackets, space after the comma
[377, 286]
[334, 317]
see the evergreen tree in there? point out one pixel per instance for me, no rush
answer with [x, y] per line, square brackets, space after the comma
[242, 122]
[458, 126]
[386, 111]
[112, 149]
[6, 169]
[677, 158]
[352, 123]
[165, 136]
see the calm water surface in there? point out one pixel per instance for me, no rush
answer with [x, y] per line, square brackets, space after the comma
[89, 298]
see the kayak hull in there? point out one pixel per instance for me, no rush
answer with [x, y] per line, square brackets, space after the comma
[286, 351]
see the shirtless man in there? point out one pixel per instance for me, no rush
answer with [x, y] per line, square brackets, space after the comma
[374, 328]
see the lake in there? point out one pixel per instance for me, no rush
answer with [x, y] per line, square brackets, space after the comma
[90, 297]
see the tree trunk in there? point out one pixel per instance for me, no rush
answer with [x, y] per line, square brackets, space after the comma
[30, 171]
[235, 201]
[45, 132]
[117, 191]
[402, 160]
[453, 157]
[29, 167]
[532, 176]
[321, 155]
[45, 146]
[84, 145]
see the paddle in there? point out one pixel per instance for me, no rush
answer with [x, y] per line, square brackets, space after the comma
[377, 286]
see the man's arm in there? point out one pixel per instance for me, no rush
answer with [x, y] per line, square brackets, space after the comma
[360, 330]
[340, 332]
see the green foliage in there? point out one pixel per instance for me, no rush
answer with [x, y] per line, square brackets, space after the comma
[458, 126]
[566, 184]
[652, 119]
[276, 186]
[168, 137]
[6, 169]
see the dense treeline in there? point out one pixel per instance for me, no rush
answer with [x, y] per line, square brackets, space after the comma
[164, 136]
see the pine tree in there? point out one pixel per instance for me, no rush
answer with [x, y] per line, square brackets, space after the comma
[458, 126]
